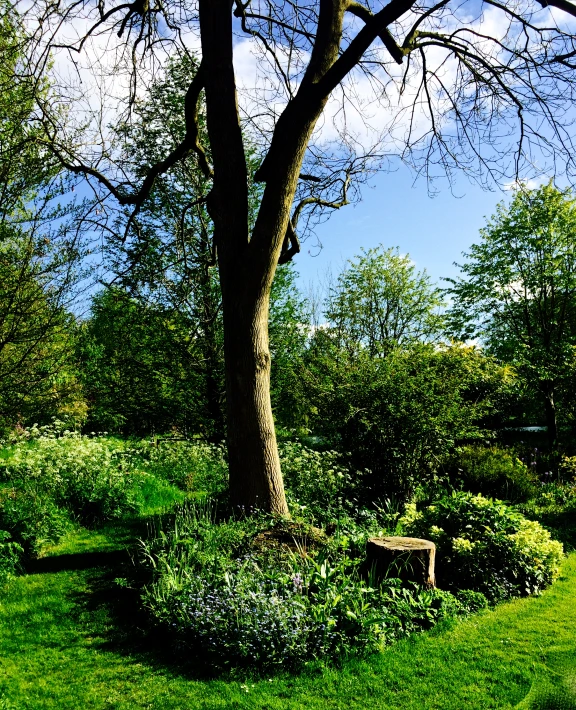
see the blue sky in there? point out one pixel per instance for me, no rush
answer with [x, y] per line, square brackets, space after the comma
[397, 212]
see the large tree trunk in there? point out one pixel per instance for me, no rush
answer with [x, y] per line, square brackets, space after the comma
[255, 474]
[247, 263]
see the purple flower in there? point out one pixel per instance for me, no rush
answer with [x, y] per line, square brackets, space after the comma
[297, 582]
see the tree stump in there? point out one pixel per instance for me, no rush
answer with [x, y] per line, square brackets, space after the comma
[408, 558]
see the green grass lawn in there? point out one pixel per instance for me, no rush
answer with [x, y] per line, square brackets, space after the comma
[72, 638]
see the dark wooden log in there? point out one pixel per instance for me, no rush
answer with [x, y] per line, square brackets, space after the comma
[408, 558]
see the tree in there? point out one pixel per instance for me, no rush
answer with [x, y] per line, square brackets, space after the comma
[380, 301]
[24, 166]
[38, 253]
[168, 262]
[142, 369]
[168, 265]
[470, 96]
[518, 292]
[289, 329]
[400, 417]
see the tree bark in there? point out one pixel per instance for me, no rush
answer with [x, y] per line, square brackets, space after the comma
[408, 558]
[254, 465]
[551, 423]
[247, 264]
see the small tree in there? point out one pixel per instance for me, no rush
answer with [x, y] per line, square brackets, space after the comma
[518, 292]
[380, 301]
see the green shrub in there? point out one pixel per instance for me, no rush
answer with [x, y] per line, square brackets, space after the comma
[402, 415]
[493, 472]
[319, 485]
[567, 468]
[31, 519]
[486, 546]
[10, 555]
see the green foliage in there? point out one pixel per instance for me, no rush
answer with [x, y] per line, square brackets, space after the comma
[82, 626]
[50, 478]
[232, 601]
[486, 546]
[80, 474]
[10, 555]
[141, 368]
[37, 370]
[380, 301]
[38, 252]
[24, 165]
[567, 468]
[32, 518]
[554, 505]
[288, 333]
[518, 291]
[319, 485]
[401, 416]
[494, 472]
[193, 466]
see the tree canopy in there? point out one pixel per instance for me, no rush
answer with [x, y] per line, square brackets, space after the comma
[518, 289]
[381, 301]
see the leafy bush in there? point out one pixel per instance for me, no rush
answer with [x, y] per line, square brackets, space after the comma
[493, 472]
[31, 519]
[567, 468]
[10, 554]
[234, 601]
[402, 415]
[554, 505]
[87, 476]
[486, 546]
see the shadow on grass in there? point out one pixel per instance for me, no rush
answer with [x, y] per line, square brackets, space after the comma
[555, 686]
[108, 600]
[76, 561]
[129, 631]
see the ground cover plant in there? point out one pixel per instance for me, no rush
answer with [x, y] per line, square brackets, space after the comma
[266, 593]
[269, 594]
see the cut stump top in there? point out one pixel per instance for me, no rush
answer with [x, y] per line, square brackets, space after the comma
[402, 543]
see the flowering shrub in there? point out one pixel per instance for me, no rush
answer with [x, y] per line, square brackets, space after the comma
[485, 545]
[83, 474]
[318, 483]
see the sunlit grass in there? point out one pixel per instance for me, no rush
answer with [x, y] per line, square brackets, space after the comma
[71, 638]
